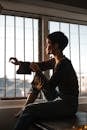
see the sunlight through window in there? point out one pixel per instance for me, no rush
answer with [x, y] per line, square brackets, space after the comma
[18, 38]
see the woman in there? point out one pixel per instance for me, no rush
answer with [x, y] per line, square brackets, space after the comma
[63, 84]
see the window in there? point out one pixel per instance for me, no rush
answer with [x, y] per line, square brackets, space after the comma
[76, 49]
[18, 38]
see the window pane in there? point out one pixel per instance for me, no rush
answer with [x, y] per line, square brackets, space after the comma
[76, 49]
[53, 26]
[65, 28]
[2, 81]
[83, 50]
[74, 46]
[9, 52]
[18, 38]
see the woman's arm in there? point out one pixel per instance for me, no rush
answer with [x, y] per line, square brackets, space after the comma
[52, 82]
[24, 67]
[46, 65]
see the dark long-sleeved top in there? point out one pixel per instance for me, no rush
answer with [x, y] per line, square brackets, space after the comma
[64, 77]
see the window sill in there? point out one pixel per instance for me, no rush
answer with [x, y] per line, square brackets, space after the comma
[4, 104]
[83, 100]
[18, 103]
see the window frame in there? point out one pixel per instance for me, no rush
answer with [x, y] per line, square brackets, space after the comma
[77, 17]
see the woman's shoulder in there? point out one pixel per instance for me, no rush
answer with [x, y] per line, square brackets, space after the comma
[66, 60]
[66, 63]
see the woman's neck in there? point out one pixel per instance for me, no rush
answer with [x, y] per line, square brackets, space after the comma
[58, 58]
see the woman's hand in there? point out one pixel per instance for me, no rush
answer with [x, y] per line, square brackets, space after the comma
[14, 61]
[34, 67]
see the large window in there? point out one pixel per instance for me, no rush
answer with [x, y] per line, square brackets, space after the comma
[76, 49]
[18, 38]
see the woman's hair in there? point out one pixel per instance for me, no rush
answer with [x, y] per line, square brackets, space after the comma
[60, 38]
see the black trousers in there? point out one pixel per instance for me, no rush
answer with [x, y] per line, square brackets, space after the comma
[51, 109]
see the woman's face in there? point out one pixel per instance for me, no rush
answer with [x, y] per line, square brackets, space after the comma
[51, 48]
[48, 46]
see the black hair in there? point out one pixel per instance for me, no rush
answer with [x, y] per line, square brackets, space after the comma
[60, 38]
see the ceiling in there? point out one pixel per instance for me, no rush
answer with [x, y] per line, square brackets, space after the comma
[74, 3]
